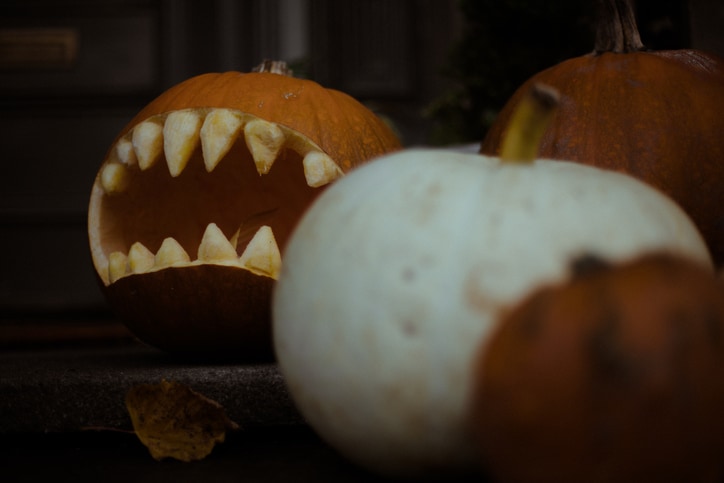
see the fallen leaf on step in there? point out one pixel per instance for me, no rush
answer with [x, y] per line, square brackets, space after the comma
[174, 421]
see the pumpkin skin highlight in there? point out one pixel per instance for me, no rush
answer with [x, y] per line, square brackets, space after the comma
[653, 114]
[219, 307]
[614, 375]
[376, 326]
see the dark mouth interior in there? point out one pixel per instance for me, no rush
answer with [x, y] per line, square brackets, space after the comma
[233, 195]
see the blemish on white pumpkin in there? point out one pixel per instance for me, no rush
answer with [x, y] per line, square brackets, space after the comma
[409, 328]
[478, 298]
[409, 274]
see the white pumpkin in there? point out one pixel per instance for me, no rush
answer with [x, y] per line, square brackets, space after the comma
[397, 274]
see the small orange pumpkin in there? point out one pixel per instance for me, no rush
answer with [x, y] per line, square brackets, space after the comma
[617, 375]
[654, 114]
[198, 194]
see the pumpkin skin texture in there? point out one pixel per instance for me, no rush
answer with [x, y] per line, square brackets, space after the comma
[192, 207]
[614, 375]
[653, 114]
[375, 326]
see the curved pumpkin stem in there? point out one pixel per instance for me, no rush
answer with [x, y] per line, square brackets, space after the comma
[528, 124]
[616, 29]
[274, 67]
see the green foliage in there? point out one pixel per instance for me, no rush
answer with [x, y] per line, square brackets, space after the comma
[503, 43]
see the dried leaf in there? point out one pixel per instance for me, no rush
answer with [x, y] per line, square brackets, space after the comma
[173, 421]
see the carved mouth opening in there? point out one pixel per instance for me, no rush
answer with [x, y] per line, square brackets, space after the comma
[202, 186]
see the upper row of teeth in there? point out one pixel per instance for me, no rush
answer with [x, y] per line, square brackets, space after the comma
[261, 255]
[178, 134]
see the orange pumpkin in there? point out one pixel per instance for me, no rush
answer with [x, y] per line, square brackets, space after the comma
[654, 114]
[198, 194]
[617, 375]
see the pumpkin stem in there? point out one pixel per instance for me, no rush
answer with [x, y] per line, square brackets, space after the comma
[528, 124]
[274, 67]
[616, 29]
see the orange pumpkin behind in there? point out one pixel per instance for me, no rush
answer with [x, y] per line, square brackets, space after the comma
[654, 114]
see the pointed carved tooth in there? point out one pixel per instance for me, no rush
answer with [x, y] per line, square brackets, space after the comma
[140, 258]
[180, 139]
[171, 253]
[147, 143]
[264, 140]
[117, 266]
[215, 247]
[261, 255]
[220, 130]
[115, 178]
[320, 169]
[234, 240]
[125, 153]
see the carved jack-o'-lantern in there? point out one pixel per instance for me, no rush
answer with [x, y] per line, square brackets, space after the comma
[200, 191]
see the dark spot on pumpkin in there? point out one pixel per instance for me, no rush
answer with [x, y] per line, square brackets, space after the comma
[607, 356]
[530, 327]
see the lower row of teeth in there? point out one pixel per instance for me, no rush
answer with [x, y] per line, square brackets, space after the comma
[261, 256]
[178, 134]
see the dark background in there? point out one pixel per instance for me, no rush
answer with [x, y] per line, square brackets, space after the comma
[73, 72]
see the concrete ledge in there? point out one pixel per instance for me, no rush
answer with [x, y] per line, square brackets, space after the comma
[84, 388]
